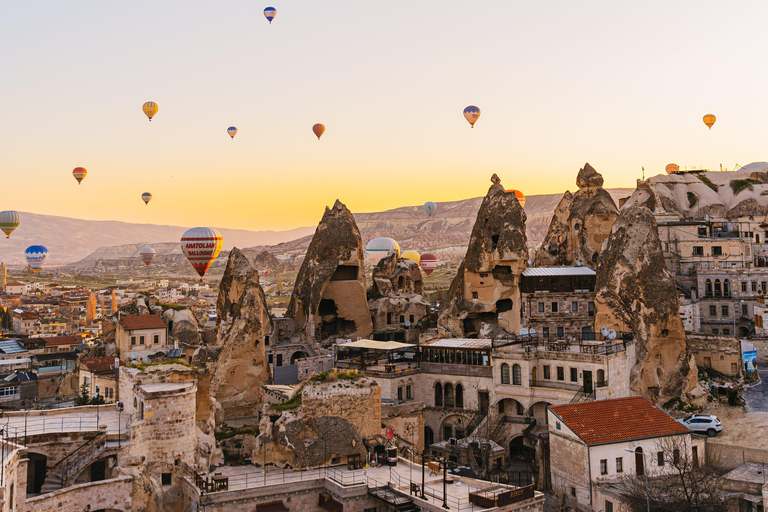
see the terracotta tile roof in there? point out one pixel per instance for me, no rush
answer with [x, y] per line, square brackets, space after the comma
[15, 283]
[100, 364]
[132, 322]
[61, 340]
[616, 420]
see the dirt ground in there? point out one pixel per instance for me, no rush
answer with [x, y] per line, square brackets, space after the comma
[740, 428]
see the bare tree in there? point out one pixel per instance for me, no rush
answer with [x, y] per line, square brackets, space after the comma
[681, 483]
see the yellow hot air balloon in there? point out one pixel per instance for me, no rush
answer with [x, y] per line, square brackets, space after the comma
[672, 168]
[150, 109]
[411, 255]
[709, 120]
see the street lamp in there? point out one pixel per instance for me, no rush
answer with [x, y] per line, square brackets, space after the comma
[645, 472]
[119, 407]
[509, 326]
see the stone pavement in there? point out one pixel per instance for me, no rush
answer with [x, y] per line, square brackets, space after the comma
[756, 397]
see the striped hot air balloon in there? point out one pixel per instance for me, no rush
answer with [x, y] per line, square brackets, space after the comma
[201, 246]
[150, 108]
[428, 263]
[79, 174]
[672, 168]
[709, 120]
[471, 114]
[411, 255]
[519, 195]
[146, 197]
[270, 13]
[147, 255]
[35, 255]
[232, 131]
[9, 221]
[379, 248]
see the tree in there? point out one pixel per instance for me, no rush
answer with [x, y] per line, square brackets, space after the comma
[83, 397]
[683, 484]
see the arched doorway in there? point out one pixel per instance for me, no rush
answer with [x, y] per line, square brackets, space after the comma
[639, 462]
[539, 411]
[297, 355]
[510, 407]
[429, 438]
[516, 447]
[36, 472]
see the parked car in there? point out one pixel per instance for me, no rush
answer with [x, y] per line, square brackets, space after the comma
[703, 424]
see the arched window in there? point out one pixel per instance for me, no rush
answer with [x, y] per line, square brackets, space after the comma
[727, 288]
[505, 373]
[718, 288]
[429, 437]
[600, 378]
[448, 395]
[459, 396]
[517, 375]
[708, 288]
[438, 395]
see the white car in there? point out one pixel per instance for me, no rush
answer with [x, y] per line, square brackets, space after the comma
[703, 424]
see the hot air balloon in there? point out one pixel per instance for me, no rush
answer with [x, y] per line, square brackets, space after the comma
[232, 131]
[709, 120]
[519, 195]
[146, 197]
[201, 246]
[428, 263]
[9, 221]
[147, 255]
[79, 173]
[35, 255]
[672, 168]
[430, 208]
[319, 130]
[379, 248]
[472, 113]
[411, 255]
[150, 109]
[270, 13]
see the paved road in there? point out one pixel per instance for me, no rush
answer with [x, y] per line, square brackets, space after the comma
[756, 397]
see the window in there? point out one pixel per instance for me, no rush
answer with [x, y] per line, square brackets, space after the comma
[505, 373]
[573, 491]
[409, 392]
[619, 464]
[545, 332]
[660, 457]
[574, 306]
[698, 250]
[402, 319]
[717, 250]
[712, 310]
[725, 309]
[743, 310]
[603, 466]
[676, 456]
[554, 307]
[546, 372]
[695, 456]
[269, 357]
[541, 307]
[166, 478]
[718, 288]
[561, 332]
[608, 506]
[560, 373]
[400, 393]
[133, 340]
[156, 339]
[574, 374]
[726, 288]
[279, 359]
[715, 331]
[754, 286]
[266, 340]
[474, 295]
[726, 332]
[410, 319]
[708, 288]
[9, 391]
[459, 395]
[744, 286]
[517, 376]
[557, 425]
[141, 340]
[591, 308]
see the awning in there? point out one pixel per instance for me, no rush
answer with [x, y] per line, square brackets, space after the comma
[275, 506]
[376, 345]
[331, 506]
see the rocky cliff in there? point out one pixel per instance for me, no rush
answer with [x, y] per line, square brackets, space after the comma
[636, 293]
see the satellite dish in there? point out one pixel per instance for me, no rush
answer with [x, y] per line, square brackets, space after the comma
[578, 263]
[532, 331]
[523, 332]
[611, 334]
[530, 262]
[604, 331]
[407, 323]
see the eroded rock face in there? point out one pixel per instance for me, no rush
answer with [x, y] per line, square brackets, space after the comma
[394, 276]
[242, 322]
[487, 284]
[581, 223]
[329, 296]
[636, 293]
[183, 325]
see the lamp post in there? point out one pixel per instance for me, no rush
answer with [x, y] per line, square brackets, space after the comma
[509, 326]
[645, 472]
[119, 407]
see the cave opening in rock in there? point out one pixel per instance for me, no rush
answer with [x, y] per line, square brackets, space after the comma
[494, 240]
[345, 273]
[504, 305]
[327, 307]
[503, 273]
[337, 327]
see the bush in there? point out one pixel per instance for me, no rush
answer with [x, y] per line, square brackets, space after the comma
[707, 182]
[739, 185]
[291, 403]
[144, 366]
[230, 432]
[692, 199]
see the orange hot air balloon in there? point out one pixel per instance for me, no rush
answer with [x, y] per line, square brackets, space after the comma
[79, 173]
[319, 130]
[709, 120]
[519, 195]
[672, 168]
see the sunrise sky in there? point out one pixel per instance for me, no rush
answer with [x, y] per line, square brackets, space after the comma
[621, 85]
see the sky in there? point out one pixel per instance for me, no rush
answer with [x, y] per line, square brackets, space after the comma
[621, 85]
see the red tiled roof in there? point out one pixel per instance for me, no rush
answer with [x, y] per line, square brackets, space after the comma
[100, 364]
[15, 283]
[132, 322]
[617, 419]
[61, 340]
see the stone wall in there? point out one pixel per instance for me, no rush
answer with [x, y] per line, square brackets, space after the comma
[407, 421]
[569, 468]
[358, 402]
[114, 494]
[732, 456]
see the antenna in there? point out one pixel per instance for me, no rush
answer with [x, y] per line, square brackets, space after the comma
[643, 168]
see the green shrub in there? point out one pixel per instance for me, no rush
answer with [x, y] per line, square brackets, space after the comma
[692, 199]
[291, 403]
[739, 185]
[707, 182]
[144, 366]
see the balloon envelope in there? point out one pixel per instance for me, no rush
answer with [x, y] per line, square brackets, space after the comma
[35, 256]
[379, 248]
[146, 197]
[79, 173]
[150, 109]
[519, 195]
[430, 208]
[319, 130]
[709, 120]
[672, 168]
[411, 255]
[232, 131]
[471, 114]
[201, 246]
[270, 13]
[428, 263]
[9, 220]
[147, 255]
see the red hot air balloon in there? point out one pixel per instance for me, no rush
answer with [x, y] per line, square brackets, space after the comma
[147, 255]
[428, 263]
[319, 130]
[201, 246]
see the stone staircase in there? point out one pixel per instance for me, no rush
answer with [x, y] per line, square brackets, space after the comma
[68, 468]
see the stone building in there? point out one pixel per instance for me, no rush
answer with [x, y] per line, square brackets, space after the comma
[139, 336]
[100, 376]
[719, 353]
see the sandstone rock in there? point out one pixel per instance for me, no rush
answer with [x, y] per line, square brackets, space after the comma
[141, 305]
[487, 284]
[183, 325]
[329, 296]
[394, 276]
[581, 223]
[636, 293]
[242, 321]
[265, 260]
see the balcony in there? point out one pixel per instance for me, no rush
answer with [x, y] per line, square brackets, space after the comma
[554, 384]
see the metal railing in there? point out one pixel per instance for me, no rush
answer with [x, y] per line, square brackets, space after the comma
[69, 463]
[220, 483]
[25, 427]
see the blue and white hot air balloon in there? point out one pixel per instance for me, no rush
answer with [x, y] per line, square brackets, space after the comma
[270, 13]
[471, 114]
[379, 248]
[430, 207]
[232, 131]
[35, 255]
